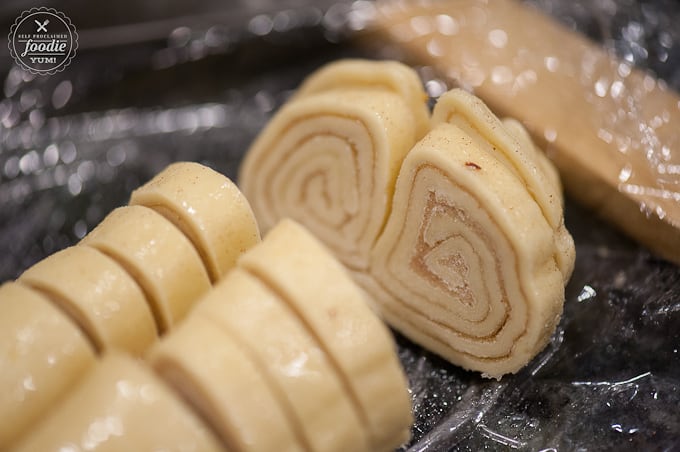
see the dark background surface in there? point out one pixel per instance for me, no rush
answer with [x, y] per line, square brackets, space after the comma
[157, 82]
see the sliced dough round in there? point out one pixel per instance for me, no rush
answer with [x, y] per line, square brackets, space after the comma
[351, 74]
[465, 266]
[119, 406]
[42, 355]
[202, 362]
[99, 295]
[207, 207]
[298, 370]
[331, 159]
[158, 256]
[320, 291]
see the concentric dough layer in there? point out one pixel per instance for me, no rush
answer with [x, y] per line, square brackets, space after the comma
[330, 159]
[465, 265]
[99, 295]
[43, 354]
[513, 147]
[121, 406]
[207, 207]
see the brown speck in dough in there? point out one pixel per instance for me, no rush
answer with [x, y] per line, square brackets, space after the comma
[473, 165]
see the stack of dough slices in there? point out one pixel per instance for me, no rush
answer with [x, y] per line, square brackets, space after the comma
[456, 228]
[283, 354]
[128, 281]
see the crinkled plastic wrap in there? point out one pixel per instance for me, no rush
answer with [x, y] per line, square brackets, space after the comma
[74, 145]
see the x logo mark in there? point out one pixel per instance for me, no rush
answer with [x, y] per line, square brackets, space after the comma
[42, 26]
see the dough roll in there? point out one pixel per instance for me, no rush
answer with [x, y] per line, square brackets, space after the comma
[43, 354]
[121, 406]
[321, 292]
[207, 207]
[297, 368]
[99, 295]
[466, 265]
[157, 255]
[330, 156]
[218, 377]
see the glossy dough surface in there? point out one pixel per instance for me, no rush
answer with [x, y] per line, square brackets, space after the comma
[319, 290]
[298, 369]
[121, 406]
[102, 298]
[203, 362]
[157, 255]
[207, 207]
[42, 355]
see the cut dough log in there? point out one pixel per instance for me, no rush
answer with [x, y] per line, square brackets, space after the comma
[207, 207]
[158, 256]
[320, 291]
[99, 295]
[121, 406]
[298, 370]
[218, 377]
[514, 149]
[466, 266]
[330, 157]
[42, 355]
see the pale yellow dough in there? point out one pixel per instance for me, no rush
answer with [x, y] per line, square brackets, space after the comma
[296, 367]
[99, 295]
[43, 354]
[157, 255]
[352, 74]
[465, 266]
[343, 193]
[219, 378]
[207, 207]
[510, 144]
[471, 254]
[121, 406]
[320, 291]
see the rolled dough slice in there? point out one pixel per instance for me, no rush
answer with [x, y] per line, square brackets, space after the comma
[121, 406]
[207, 207]
[320, 291]
[202, 362]
[43, 354]
[298, 369]
[157, 255]
[330, 159]
[466, 266]
[99, 295]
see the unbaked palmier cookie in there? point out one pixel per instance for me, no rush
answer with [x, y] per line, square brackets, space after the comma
[465, 266]
[330, 157]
